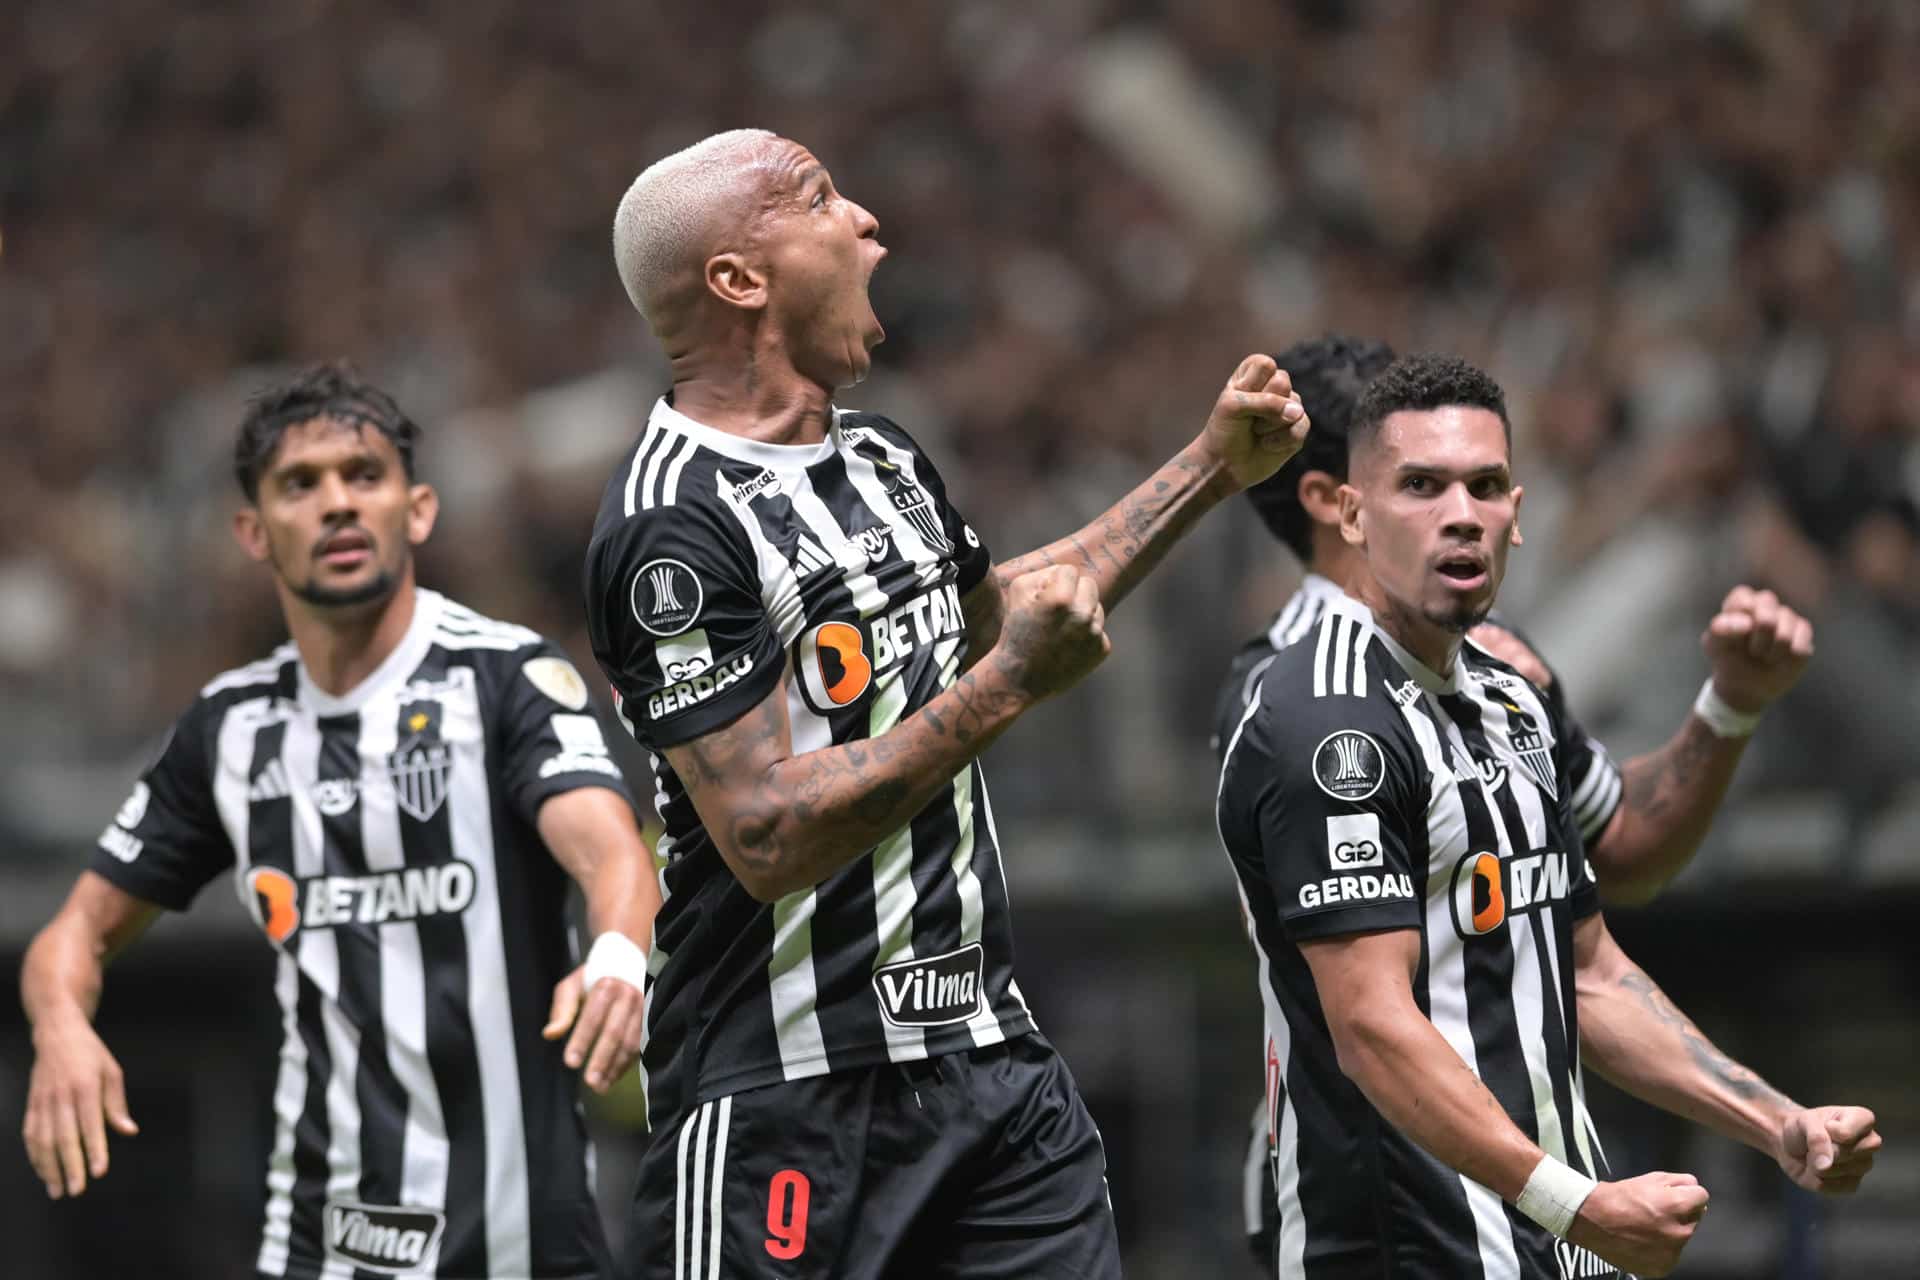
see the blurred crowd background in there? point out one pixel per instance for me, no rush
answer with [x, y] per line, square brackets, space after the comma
[1684, 235]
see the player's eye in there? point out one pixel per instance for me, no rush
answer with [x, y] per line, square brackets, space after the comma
[1418, 484]
[820, 199]
[1489, 487]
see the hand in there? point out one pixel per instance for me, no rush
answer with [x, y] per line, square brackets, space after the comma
[1513, 651]
[1641, 1225]
[1756, 648]
[606, 1026]
[77, 1090]
[1256, 425]
[1054, 631]
[1828, 1149]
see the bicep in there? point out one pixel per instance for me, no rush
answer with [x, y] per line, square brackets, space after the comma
[1355, 970]
[107, 915]
[725, 771]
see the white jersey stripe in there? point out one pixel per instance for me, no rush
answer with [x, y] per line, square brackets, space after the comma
[647, 443]
[670, 487]
[1446, 981]
[403, 995]
[681, 1176]
[791, 987]
[1327, 622]
[469, 807]
[696, 1248]
[714, 1217]
[289, 1097]
[1342, 651]
[649, 486]
[1362, 639]
[893, 892]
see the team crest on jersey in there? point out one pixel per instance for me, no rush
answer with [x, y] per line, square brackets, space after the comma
[420, 765]
[666, 597]
[1349, 765]
[909, 500]
[1532, 746]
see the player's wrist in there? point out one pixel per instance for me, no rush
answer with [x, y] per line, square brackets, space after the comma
[615, 955]
[1554, 1194]
[1726, 719]
[1215, 475]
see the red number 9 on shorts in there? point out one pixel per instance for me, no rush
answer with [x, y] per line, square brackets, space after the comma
[787, 1197]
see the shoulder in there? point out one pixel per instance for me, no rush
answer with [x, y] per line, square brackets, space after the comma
[459, 628]
[273, 674]
[855, 424]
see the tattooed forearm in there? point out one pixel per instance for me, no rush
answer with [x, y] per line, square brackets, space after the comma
[1707, 1056]
[1122, 546]
[1669, 797]
[785, 822]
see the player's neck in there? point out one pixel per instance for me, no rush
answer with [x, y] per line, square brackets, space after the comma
[1436, 647]
[753, 393]
[1334, 560]
[340, 648]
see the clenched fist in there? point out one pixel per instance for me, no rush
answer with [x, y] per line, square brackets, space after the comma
[1641, 1224]
[1256, 425]
[1054, 632]
[1756, 648]
[1829, 1149]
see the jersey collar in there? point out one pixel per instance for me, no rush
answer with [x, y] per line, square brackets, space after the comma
[1423, 675]
[782, 457]
[397, 666]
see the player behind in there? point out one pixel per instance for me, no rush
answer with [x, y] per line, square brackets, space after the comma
[401, 794]
[1641, 823]
[1433, 960]
[815, 647]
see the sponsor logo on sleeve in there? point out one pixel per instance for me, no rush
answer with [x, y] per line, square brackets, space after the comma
[1349, 765]
[583, 748]
[121, 843]
[699, 686]
[666, 597]
[1353, 842]
[684, 656]
[135, 807]
[557, 678]
[392, 1241]
[933, 992]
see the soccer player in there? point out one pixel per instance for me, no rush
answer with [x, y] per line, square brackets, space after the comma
[1434, 964]
[401, 794]
[1640, 824]
[814, 646]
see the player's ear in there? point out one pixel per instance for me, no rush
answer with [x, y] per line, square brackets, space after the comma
[736, 281]
[1353, 527]
[251, 533]
[1319, 495]
[1514, 537]
[423, 509]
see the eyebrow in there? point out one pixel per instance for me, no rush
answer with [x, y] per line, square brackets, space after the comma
[1437, 469]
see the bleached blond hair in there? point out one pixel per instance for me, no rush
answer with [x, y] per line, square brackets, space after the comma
[669, 216]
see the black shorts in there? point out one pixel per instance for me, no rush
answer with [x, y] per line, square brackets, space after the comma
[976, 1164]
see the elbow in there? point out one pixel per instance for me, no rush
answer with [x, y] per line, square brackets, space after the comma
[760, 862]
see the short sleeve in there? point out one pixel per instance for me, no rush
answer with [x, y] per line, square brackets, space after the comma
[675, 615]
[970, 554]
[166, 842]
[549, 740]
[1334, 824]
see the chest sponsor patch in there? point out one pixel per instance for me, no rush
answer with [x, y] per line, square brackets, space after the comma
[1349, 765]
[933, 992]
[383, 1238]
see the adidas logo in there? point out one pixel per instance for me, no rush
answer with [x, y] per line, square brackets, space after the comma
[809, 557]
[270, 783]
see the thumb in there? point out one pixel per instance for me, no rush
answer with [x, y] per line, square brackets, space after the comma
[566, 1004]
[1819, 1145]
[118, 1115]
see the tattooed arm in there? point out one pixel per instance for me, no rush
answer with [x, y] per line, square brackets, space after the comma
[1756, 649]
[1638, 1039]
[785, 822]
[1257, 423]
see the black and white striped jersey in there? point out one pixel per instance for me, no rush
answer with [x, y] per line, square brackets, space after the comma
[1362, 792]
[1595, 780]
[721, 569]
[385, 842]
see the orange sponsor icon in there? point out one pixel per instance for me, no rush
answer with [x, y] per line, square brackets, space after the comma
[1479, 895]
[274, 902]
[856, 672]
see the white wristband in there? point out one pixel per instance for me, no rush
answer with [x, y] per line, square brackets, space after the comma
[615, 955]
[1554, 1194]
[1723, 719]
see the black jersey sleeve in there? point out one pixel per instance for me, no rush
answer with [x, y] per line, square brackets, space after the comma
[677, 621]
[548, 740]
[166, 842]
[970, 554]
[1338, 814]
